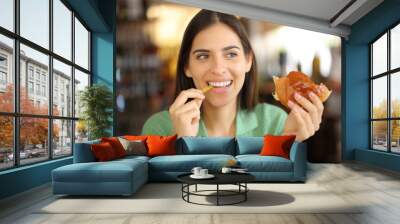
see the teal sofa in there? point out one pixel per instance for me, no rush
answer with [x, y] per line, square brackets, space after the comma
[126, 175]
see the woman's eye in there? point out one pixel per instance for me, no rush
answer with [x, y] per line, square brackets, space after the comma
[231, 55]
[201, 56]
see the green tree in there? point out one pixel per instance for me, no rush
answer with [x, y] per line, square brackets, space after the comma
[395, 123]
[96, 103]
[380, 127]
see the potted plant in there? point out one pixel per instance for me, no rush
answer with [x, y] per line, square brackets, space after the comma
[96, 104]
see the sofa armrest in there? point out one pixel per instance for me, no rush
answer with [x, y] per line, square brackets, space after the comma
[83, 152]
[298, 155]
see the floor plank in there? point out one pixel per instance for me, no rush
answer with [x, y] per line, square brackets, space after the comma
[376, 189]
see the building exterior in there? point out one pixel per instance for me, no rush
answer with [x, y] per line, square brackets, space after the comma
[34, 79]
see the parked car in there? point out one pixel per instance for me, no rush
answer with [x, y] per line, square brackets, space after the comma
[22, 155]
[36, 153]
[10, 157]
[57, 152]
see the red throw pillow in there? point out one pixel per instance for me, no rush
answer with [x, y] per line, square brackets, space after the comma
[116, 145]
[135, 137]
[161, 145]
[103, 151]
[277, 145]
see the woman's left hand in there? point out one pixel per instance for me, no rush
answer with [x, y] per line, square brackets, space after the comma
[304, 118]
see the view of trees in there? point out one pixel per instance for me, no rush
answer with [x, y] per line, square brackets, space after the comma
[34, 131]
[380, 128]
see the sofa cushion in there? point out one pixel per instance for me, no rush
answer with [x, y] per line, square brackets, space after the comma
[83, 152]
[116, 145]
[135, 147]
[135, 137]
[206, 145]
[277, 145]
[132, 158]
[185, 163]
[111, 171]
[161, 145]
[103, 151]
[249, 145]
[257, 163]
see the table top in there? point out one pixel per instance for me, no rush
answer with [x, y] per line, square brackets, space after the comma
[220, 178]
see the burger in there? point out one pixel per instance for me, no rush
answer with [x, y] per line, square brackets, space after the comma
[287, 86]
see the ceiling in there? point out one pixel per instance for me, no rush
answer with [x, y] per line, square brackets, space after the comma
[326, 16]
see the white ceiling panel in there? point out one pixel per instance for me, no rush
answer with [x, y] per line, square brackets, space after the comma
[321, 9]
[327, 16]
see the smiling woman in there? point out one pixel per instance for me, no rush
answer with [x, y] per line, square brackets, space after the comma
[216, 53]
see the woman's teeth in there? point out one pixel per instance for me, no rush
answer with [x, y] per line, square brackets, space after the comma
[220, 84]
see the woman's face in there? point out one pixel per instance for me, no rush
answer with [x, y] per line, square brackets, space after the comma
[217, 59]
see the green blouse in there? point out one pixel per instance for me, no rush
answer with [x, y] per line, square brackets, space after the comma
[264, 119]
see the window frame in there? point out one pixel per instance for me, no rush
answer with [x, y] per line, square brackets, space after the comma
[3, 74]
[388, 74]
[5, 59]
[3, 71]
[16, 115]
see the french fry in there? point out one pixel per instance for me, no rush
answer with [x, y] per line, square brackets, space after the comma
[206, 89]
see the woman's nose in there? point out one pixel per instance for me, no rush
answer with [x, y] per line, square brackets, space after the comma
[218, 65]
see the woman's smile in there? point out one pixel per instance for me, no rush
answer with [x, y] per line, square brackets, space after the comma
[220, 87]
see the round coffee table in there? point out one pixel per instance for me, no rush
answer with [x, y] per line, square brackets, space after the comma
[238, 179]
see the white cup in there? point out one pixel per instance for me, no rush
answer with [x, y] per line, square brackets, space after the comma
[226, 170]
[196, 170]
[203, 172]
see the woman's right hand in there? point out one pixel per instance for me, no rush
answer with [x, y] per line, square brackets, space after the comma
[185, 115]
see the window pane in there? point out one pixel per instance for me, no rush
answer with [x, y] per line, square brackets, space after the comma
[34, 72]
[395, 136]
[379, 135]
[62, 89]
[81, 81]
[6, 142]
[81, 45]
[35, 21]
[6, 74]
[62, 29]
[379, 55]
[81, 131]
[62, 138]
[7, 14]
[395, 94]
[33, 139]
[379, 97]
[395, 47]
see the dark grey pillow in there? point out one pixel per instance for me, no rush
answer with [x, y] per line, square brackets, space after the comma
[136, 147]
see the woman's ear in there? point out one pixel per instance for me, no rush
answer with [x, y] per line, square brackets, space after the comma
[249, 61]
[188, 73]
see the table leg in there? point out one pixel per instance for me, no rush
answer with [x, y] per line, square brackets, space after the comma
[182, 189]
[217, 194]
[188, 189]
[245, 191]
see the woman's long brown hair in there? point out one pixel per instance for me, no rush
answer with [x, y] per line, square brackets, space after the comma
[248, 95]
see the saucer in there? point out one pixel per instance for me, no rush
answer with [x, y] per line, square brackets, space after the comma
[240, 171]
[208, 176]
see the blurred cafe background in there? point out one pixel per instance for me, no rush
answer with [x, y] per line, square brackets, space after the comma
[148, 40]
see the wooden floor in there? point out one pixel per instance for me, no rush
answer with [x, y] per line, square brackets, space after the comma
[353, 182]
